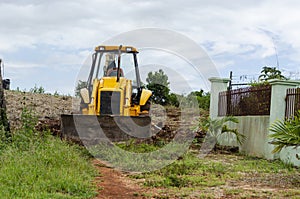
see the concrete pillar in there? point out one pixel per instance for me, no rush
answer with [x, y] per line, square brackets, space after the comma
[277, 108]
[217, 85]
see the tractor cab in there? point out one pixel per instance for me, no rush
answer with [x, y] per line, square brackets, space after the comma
[114, 81]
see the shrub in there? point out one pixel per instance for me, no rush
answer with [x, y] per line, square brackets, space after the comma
[214, 128]
[286, 133]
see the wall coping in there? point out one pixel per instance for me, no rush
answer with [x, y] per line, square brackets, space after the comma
[284, 82]
[219, 80]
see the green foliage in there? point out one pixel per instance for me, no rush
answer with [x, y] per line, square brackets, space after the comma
[259, 84]
[27, 135]
[36, 89]
[286, 133]
[4, 138]
[203, 98]
[211, 171]
[218, 127]
[81, 84]
[181, 174]
[137, 148]
[56, 94]
[37, 165]
[173, 100]
[195, 99]
[158, 83]
[268, 73]
[138, 157]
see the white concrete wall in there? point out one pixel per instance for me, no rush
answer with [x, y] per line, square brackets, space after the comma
[256, 128]
[289, 155]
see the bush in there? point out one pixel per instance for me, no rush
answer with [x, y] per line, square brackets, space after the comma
[286, 133]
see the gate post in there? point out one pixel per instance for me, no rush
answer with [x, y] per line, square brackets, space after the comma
[277, 106]
[217, 85]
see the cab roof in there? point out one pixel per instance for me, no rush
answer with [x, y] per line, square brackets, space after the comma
[124, 49]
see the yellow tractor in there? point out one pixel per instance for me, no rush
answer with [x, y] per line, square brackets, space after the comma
[114, 104]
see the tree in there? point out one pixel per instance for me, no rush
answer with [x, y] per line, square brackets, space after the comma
[268, 73]
[173, 99]
[159, 85]
[203, 98]
[81, 84]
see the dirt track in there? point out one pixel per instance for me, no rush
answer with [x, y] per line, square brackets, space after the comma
[115, 185]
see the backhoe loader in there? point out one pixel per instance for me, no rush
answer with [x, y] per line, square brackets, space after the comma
[114, 105]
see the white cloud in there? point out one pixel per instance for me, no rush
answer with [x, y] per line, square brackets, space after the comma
[231, 30]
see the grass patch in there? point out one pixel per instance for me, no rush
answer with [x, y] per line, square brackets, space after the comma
[38, 165]
[137, 157]
[226, 174]
[138, 148]
[190, 171]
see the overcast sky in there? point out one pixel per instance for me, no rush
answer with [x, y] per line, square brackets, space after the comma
[46, 42]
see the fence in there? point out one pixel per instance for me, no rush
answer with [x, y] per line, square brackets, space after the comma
[253, 100]
[292, 102]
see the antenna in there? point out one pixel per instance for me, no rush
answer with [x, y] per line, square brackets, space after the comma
[277, 60]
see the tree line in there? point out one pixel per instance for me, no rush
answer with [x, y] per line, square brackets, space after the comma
[159, 84]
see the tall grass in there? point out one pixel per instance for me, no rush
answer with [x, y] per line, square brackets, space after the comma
[37, 165]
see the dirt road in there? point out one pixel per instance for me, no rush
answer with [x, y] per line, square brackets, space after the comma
[115, 185]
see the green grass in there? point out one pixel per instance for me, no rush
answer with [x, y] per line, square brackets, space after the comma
[187, 172]
[137, 148]
[49, 169]
[200, 178]
[37, 165]
[137, 157]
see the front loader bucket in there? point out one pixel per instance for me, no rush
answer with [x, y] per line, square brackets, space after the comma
[92, 129]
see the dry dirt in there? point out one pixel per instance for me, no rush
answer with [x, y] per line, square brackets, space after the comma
[115, 185]
[44, 106]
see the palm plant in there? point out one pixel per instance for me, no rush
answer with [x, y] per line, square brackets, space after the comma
[218, 127]
[286, 133]
[269, 73]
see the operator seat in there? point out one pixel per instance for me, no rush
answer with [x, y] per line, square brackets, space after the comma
[112, 72]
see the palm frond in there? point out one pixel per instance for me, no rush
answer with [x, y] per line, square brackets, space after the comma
[286, 133]
[217, 127]
[240, 138]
